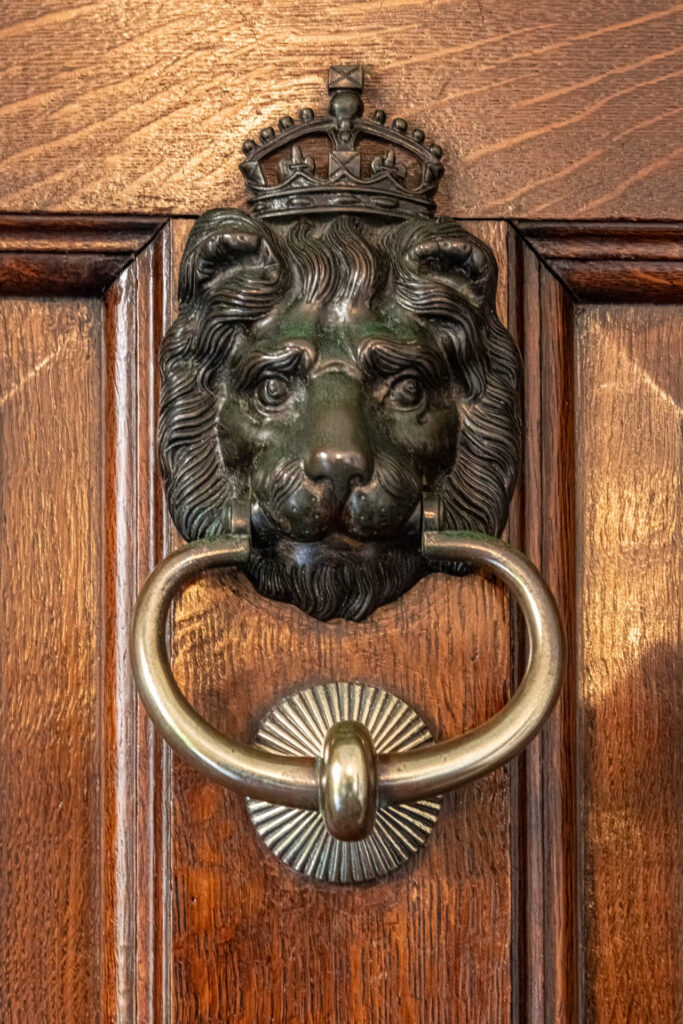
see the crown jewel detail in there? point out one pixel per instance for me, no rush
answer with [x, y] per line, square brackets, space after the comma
[396, 178]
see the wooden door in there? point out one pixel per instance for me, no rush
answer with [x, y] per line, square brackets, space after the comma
[131, 889]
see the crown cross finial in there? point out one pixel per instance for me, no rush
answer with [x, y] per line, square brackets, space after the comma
[345, 76]
[372, 168]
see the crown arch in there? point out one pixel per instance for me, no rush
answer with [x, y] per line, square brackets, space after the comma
[400, 181]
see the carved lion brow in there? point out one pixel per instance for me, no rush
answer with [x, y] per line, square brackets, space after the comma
[388, 358]
[251, 365]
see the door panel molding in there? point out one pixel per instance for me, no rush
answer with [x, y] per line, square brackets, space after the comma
[58, 254]
[152, 826]
[135, 763]
[558, 272]
[611, 261]
[120, 267]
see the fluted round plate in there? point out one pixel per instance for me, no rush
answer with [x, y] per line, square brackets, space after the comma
[297, 725]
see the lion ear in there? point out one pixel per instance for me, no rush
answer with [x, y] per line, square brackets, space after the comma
[462, 260]
[222, 241]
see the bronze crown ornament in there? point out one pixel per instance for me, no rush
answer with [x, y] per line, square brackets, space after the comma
[385, 188]
[339, 416]
[337, 352]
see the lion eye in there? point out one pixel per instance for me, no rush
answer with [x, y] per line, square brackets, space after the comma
[273, 391]
[406, 392]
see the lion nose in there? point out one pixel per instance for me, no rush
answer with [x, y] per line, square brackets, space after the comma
[342, 466]
[337, 447]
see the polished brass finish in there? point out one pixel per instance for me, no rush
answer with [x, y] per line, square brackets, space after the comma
[298, 724]
[348, 782]
[448, 764]
[410, 776]
[244, 768]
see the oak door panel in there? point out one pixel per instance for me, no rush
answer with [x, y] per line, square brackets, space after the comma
[600, 787]
[82, 308]
[51, 516]
[132, 890]
[629, 729]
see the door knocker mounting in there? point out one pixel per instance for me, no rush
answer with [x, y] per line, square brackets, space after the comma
[336, 351]
[340, 415]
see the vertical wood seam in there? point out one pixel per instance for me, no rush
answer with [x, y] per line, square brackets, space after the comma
[135, 942]
[118, 709]
[556, 744]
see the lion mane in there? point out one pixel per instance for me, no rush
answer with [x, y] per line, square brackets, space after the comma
[235, 270]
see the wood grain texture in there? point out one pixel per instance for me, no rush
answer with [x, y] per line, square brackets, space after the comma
[605, 262]
[253, 941]
[55, 255]
[151, 893]
[81, 820]
[604, 241]
[563, 108]
[598, 790]
[50, 643]
[629, 525]
[133, 764]
[131, 890]
[542, 521]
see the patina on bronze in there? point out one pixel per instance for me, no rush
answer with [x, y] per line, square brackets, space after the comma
[336, 350]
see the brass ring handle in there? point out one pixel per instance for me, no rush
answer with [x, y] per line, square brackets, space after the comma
[400, 777]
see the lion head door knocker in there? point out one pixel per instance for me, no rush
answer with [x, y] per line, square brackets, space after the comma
[340, 415]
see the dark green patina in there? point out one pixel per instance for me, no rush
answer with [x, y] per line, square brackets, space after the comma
[332, 361]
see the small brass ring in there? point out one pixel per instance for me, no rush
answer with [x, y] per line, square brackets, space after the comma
[401, 777]
[348, 782]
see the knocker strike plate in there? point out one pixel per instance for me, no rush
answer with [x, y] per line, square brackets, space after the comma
[298, 726]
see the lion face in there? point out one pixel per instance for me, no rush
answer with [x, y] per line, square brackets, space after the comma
[333, 371]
